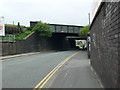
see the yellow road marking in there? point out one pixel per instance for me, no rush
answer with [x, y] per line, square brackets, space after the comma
[45, 80]
[53, 74]
[46, 77]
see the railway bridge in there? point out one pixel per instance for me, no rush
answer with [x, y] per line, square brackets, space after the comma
[64, 36]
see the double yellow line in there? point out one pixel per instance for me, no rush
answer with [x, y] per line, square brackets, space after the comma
[46, 79]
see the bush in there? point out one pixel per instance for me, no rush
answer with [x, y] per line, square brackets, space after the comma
[19, 35]
[23, 35]
[43, 29]
[29, 28]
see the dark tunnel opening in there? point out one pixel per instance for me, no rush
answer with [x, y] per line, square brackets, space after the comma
[61, 42]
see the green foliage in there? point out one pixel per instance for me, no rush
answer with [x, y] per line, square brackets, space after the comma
[43, 29]
[22, 35]
[29, 28]
[78, 42]
[10, 25]
[22, 26]
[84, 31]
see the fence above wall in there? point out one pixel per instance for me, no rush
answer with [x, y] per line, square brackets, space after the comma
[7, 38]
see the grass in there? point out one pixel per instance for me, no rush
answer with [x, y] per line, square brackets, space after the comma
[10, 25]
[11, 38]
[21, 36]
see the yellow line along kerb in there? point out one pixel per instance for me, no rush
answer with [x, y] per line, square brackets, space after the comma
[46, 79]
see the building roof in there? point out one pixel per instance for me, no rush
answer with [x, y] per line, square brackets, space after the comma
[59, 24]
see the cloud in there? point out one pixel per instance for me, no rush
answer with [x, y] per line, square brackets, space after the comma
[54, 11]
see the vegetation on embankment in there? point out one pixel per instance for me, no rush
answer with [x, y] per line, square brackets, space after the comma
[23, 34]
[42, 28]
[10, 25]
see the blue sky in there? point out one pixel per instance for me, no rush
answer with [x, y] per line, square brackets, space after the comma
[51, 11]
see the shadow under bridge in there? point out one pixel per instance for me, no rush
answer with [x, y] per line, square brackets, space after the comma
[65, 41]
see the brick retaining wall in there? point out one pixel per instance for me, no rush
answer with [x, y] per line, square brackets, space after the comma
[35, 43]
[105, 44]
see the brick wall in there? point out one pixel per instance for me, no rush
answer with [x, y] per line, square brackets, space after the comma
[119, 44]
[35, 43]
[13, 30]
[105, 44]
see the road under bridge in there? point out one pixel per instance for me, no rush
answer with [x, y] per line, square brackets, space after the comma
[63, 36]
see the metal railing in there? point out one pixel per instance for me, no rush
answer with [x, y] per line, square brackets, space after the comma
[7, 38]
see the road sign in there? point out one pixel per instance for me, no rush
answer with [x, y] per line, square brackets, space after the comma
[89, 39]
[2, 27]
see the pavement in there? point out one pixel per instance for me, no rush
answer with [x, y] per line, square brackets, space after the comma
[76, 73]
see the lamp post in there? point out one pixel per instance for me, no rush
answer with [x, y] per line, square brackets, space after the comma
[89, 17]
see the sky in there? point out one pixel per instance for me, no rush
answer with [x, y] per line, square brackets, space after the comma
[71, 12]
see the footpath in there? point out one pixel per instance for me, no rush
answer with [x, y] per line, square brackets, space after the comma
[75, 73]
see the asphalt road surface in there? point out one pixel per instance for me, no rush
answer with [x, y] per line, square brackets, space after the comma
[28, 71]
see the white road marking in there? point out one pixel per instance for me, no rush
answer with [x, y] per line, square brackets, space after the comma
[66, 74]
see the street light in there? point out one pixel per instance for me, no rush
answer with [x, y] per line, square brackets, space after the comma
[89, 17]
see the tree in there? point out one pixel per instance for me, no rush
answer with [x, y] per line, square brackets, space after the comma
[43, 29]
[84, 31]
